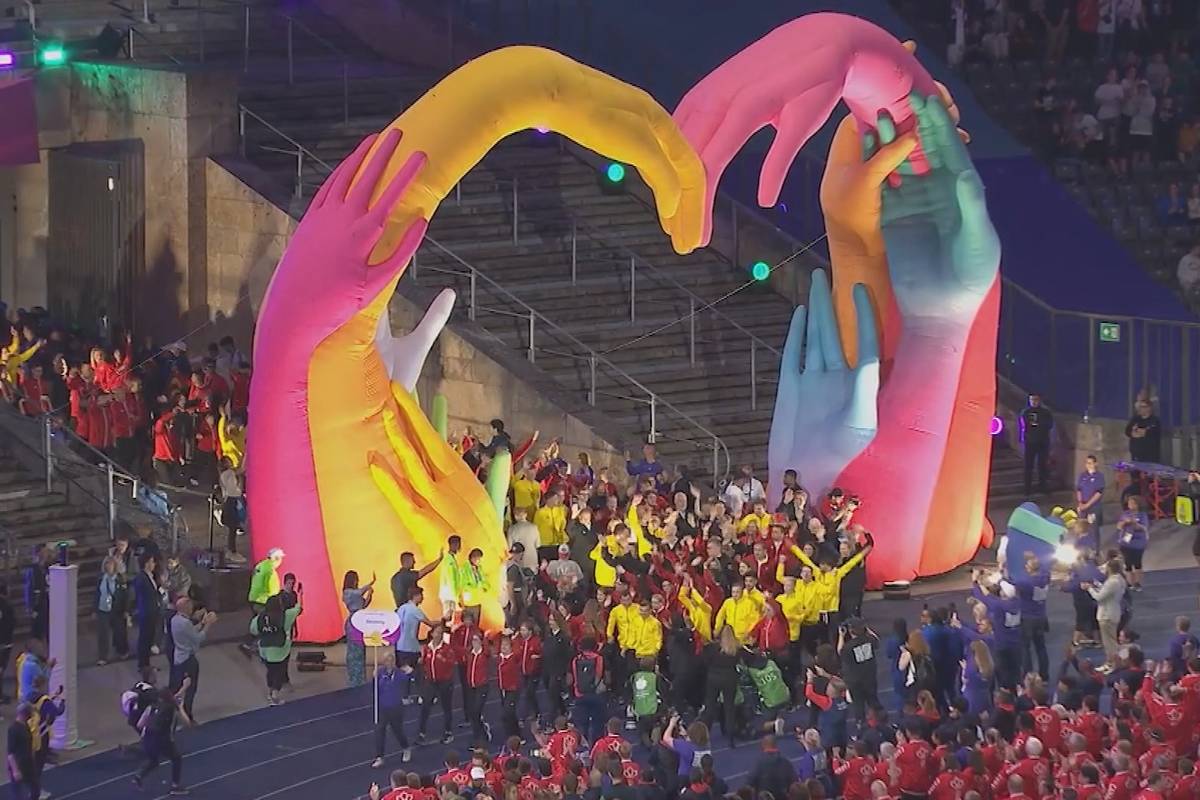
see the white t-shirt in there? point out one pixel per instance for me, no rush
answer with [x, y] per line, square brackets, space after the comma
[1109, 97]
[1107, 22]
[1189, 272]
[1142, 122]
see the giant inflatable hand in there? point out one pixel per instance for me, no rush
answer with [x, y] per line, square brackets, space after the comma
[825, 413]
[345, 471]
[924, 476]
[791, 79]
[938, 345]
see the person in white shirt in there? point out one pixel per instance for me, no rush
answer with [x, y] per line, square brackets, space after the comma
[525, 532]
[1109, 97]
[743, 489]
[1141, 124]
[1189, 271]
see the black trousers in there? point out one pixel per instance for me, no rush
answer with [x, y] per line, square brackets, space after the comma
[529, 689]
[390, 718]
[159, 749]
[1036, 452]
[188, 669]
[148, 631]
[723, 693]
[862, 697]
[443, 693]
[474, 699]
[556, 687]
[1033, 643]
[508, 713]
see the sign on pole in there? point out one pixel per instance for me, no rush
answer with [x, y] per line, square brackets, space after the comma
[1110, 331]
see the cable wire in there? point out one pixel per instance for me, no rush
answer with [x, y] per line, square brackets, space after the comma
[720, 299]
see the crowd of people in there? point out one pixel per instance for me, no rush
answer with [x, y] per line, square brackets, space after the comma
[162, 414]
[642, 614]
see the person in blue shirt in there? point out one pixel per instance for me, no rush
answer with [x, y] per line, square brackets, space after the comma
[1089, 494]
[648, 467]
[1133, 534]
[893, 647]
[945, 648]
[1183, 645]
[32, 666]
[392, 685]
[1004, 610]
[408, 643]
[1033, 586]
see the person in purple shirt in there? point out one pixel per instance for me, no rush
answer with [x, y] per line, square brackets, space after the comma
[648, 467]
[979, 672]
[1089, 493]
[1033, 586]
[1133, 534]
[1183, 645]
[1005, 612]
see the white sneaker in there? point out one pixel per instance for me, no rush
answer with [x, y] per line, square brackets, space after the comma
[406, 755]
[377, 763]
[154, 650]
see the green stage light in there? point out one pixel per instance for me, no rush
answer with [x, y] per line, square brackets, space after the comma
[615, 172]
[760, 271]
[52, 55]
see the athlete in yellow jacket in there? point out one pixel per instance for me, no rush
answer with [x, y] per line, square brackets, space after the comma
[697, 608]
[624, 623]
[829, 579]
[741, 611]
[648, 638]
[798, 602]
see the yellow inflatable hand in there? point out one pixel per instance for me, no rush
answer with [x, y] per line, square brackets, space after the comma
[387, 482]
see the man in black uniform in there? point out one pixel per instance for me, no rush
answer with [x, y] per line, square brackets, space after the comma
[1037, 423]
[858, 646]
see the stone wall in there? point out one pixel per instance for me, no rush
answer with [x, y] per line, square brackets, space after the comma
[246, 236]
[181, 119]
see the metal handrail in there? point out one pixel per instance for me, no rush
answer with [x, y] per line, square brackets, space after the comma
[133, 31]
[640, 261]
[475, 275]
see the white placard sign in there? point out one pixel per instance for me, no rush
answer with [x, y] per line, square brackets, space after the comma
[370, 622]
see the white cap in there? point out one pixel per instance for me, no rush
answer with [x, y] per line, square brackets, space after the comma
[477, 773]
[275, 552]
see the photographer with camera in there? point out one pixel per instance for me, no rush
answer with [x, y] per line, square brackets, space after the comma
[858, 646]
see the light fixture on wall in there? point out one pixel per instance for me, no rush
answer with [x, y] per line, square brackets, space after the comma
[8, 59]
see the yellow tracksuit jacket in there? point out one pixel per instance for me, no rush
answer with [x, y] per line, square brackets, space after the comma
[623, 621]
[741, 614]
[829, 581]
[698, 611]
[648, 638]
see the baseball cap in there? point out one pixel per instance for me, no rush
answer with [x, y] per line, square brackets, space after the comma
[477, 773]
[517, 548]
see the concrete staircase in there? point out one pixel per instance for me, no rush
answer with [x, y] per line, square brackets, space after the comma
[30, 516]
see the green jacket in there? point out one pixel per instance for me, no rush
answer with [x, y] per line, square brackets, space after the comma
[274, 655]
[264, 582]
[473, 584]
[451, 578]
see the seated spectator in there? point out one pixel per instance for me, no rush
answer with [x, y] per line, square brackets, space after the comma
[1193, 203]
[1187, 139]
[1173, 206]
[1158, 74]
[1141, 124]
[1166, 130]
[1189, 271]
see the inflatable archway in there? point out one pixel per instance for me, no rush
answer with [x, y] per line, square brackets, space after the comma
[900, 419]
[344, 470]
[892, 402]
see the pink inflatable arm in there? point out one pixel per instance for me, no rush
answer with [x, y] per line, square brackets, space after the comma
[792, 79]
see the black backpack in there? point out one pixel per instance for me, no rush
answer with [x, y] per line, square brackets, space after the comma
[270, 634]
[586, 680]
[924, 676]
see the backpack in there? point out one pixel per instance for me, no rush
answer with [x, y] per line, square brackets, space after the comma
[923, 676]
[135, 701]
[769, 684]
[270, 634]
[645, 694]
[584, 673]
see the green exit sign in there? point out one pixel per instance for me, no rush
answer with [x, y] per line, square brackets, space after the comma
[1110, 332]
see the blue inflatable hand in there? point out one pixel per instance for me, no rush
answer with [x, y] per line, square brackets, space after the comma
[943, 253]
[825, 413]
